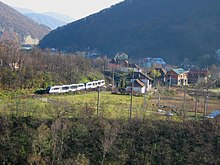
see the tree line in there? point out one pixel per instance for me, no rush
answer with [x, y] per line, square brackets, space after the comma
[39, 69]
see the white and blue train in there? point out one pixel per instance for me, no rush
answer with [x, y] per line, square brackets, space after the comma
[75, 87]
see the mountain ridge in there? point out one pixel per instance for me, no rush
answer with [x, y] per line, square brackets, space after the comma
[173, 30]
[45, 20]
[50, 19]
[14, 25]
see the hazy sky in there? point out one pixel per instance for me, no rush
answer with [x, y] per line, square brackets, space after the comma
[74, 8]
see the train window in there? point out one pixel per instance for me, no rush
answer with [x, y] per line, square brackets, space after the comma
[65, 88]
[55, 88]
[73, 87]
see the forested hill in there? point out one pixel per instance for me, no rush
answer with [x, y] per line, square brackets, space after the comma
[14, 25]
[168, 28]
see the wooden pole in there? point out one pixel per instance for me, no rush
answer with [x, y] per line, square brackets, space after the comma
[170, 83]
[131, 101]
[98, 101]
[184, 101]
[158, 103]
[113, 80]
[145, 100]
[206, 102]
[196, 105]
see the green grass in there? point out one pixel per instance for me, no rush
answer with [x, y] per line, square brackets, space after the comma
[217, 90]
[85, 105]
[110, 105]
[73, 105]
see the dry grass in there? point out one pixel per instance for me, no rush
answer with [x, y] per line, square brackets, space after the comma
[176, 102]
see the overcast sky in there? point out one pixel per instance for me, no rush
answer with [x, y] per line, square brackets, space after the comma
[74, 8]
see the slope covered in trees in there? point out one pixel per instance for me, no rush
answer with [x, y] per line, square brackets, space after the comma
[171, 29]
[101, 141]
[15, 25]
[37, 69]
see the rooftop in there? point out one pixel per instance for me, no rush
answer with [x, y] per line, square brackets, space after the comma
[179, 70]
[214, 114]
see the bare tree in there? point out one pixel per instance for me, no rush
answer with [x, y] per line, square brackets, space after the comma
[110, 133]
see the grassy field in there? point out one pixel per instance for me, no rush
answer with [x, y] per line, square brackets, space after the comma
[111, 105]
[72, 105]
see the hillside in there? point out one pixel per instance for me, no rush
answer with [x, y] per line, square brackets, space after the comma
[15, 26]
[171, 29]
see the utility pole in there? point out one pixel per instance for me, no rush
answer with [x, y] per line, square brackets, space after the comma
[145, 99]
[98, 101]
[170, 82]
[131, 101]
[184, 101]
[206, 99]
[113, 79]
[158, 90]
[196, 105]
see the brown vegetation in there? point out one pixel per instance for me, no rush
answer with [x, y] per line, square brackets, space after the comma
[102, 141]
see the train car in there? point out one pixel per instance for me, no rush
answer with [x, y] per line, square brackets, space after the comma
[91, 85]
[100, 83]
[81, 86]
[73, 87]
[54, 89]
[65, 88]
[88, 85]
[94, 84]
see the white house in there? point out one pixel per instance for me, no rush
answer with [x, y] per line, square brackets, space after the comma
[144, 79]
[138, 87]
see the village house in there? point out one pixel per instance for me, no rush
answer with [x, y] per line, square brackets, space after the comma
[141, 83]
[177, 77]
[153, 62]
[217, 83]
[130, 68]
[162, 72]
[14, 66]
[123, 65]
[138, 87]
[196, 76]
[143, 78]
